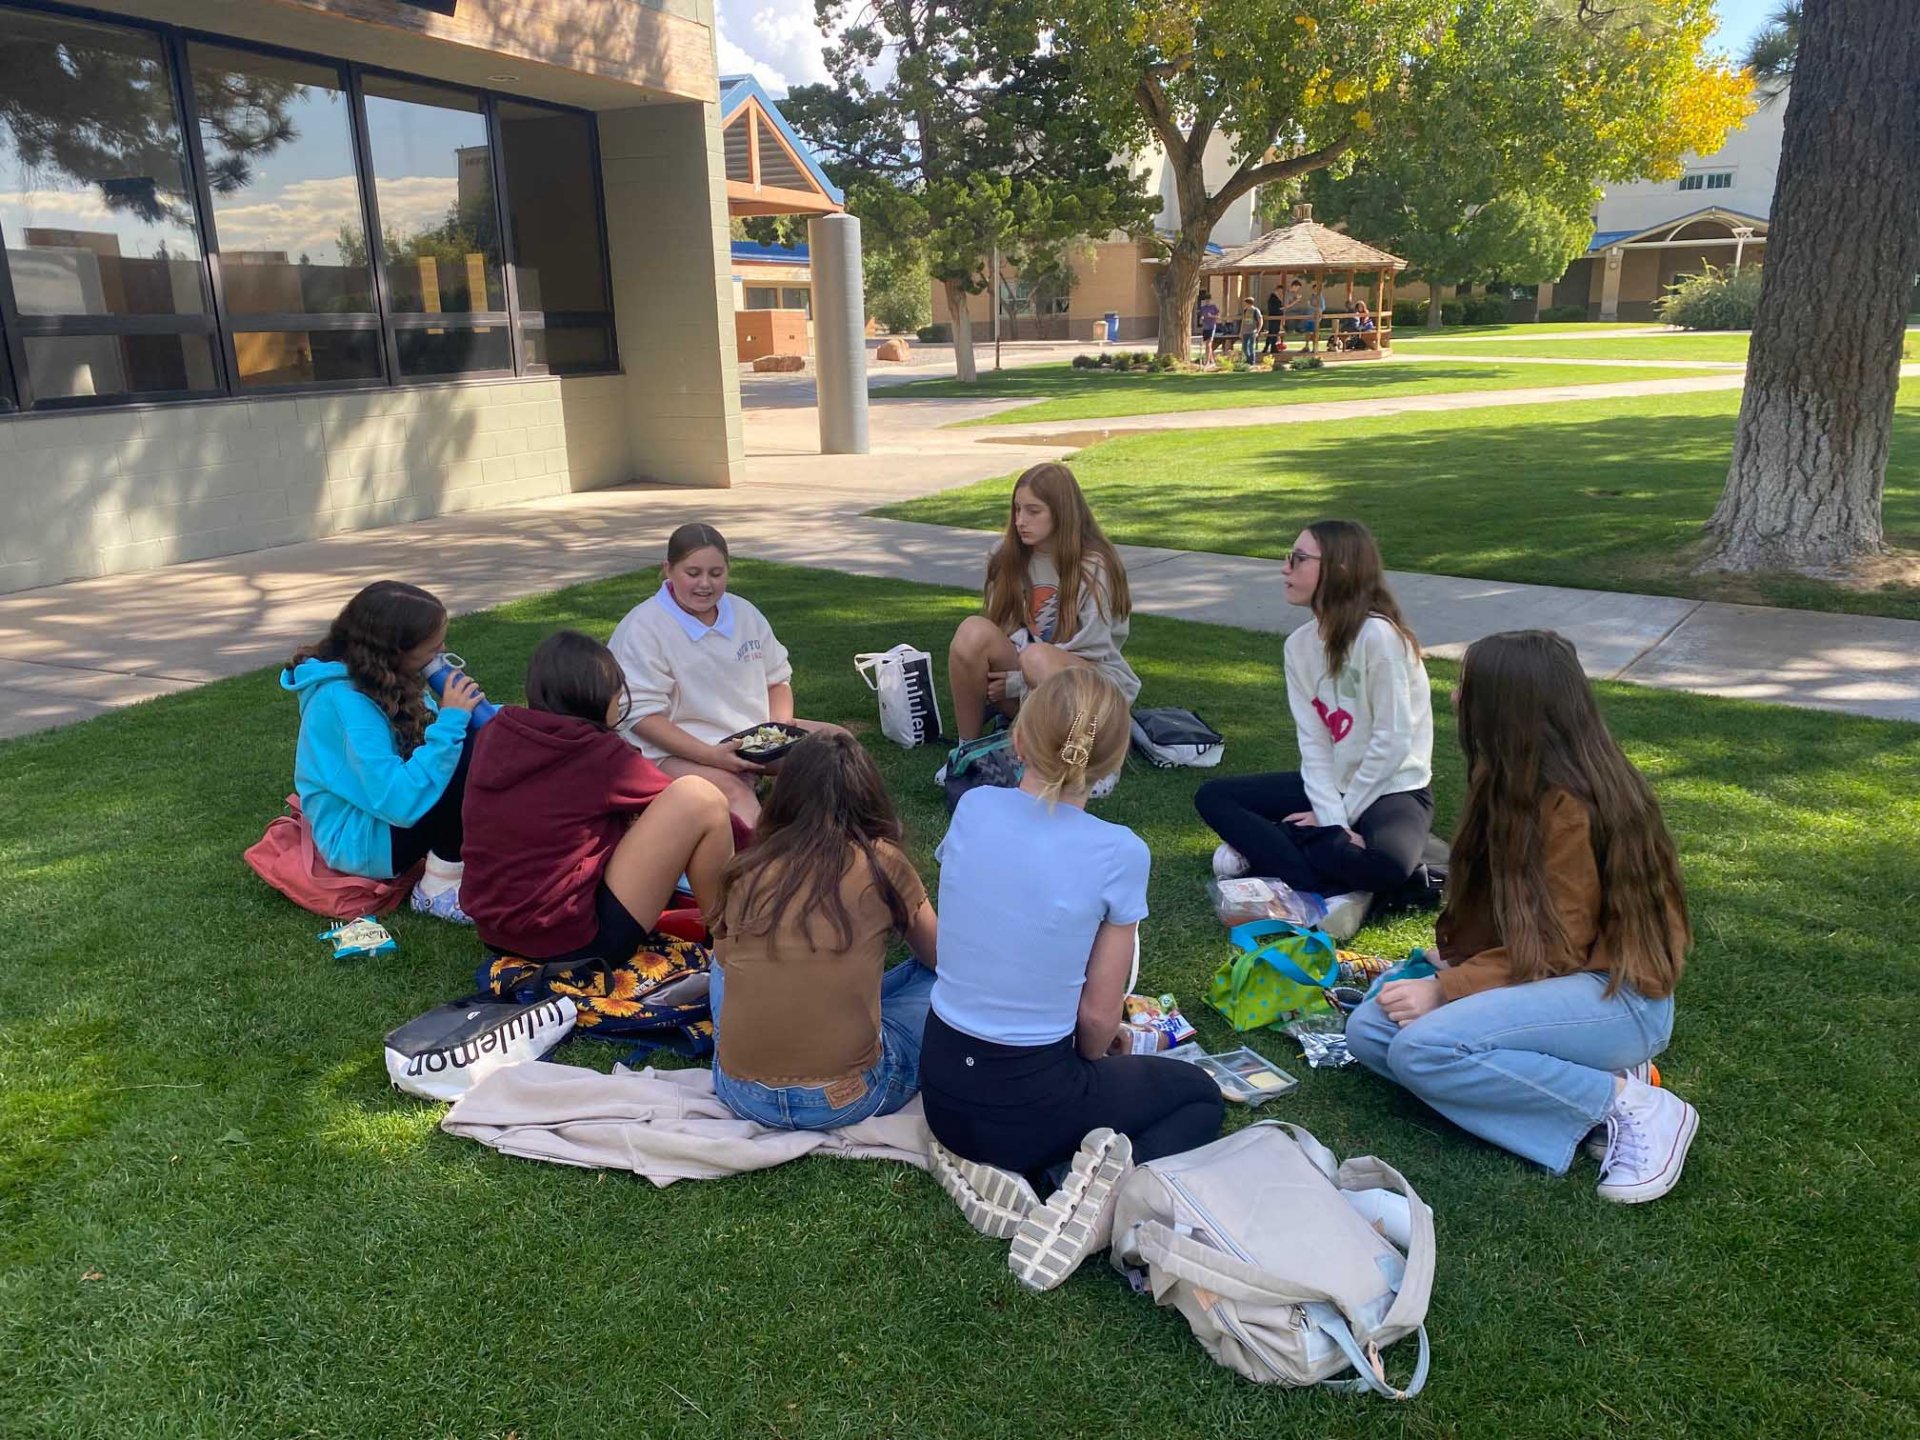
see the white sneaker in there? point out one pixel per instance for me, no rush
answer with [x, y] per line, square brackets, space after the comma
[1346, 913]
[1596, 1142]
[1077, 1220]
[994, 1201]
[940, 775]
[1648, 1132]
[1104, 786]
[1229, 863]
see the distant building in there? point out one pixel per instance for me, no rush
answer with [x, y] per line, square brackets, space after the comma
[1111, 275]
[1653, 233]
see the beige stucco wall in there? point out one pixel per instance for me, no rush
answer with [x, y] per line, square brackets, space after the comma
[95, 494]
[665, 177]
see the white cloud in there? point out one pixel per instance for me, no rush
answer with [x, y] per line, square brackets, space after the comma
[775, 41]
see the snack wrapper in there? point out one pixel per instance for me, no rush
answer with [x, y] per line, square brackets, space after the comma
[1155, 1025]
[1255, 898]
[359, 939]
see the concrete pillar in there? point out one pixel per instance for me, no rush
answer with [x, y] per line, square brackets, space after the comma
[839, 333]
[1610, 284]
[664, 172]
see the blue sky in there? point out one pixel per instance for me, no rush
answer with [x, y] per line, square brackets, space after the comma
[776, 40]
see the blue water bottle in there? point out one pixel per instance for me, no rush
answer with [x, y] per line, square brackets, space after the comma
[447, 663]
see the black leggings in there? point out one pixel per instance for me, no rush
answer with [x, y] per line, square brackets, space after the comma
[1026, 1108]
[1247, 812]
[439, 830]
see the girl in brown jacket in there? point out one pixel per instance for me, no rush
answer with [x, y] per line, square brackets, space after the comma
[1563, 936]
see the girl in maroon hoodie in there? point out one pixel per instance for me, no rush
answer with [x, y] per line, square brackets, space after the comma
[574, 840]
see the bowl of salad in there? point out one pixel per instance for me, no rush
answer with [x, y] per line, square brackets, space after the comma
[762, 743]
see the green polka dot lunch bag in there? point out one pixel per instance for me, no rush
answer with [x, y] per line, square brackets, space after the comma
[1277, 973]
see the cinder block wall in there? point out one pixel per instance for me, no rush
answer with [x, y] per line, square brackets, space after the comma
[97, 494]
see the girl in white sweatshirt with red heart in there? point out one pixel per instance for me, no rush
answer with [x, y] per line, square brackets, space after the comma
[1354, 819]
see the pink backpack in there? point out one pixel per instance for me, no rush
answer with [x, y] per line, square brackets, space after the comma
[286, 859]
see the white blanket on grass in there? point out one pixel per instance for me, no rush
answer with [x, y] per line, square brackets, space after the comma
[666, 1125]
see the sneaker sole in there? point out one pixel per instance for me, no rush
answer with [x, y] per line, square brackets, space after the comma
[1668, 1177]
[991, 1200]
[1076, 1221]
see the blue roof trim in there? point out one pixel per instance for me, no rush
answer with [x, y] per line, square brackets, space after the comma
[736, 90]
[1613, 237]
[781, 254]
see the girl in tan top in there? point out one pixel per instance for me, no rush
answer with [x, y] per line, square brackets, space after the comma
[1563, 936]
[813, 1030]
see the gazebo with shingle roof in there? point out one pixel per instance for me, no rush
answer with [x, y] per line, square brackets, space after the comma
[1314, 254]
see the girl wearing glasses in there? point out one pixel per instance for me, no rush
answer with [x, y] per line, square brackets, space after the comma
[1352, 822]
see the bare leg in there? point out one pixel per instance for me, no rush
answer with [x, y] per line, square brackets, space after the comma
[741, 797]
[684, 829]
[978, 648]
[1040, 663]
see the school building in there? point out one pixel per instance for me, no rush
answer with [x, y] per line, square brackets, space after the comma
[1653, 233]
[1114, 275]
[281, 269]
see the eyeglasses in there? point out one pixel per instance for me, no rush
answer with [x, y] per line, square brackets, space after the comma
[1294, 559]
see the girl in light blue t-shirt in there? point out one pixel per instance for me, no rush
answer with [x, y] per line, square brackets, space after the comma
[1019, 1069]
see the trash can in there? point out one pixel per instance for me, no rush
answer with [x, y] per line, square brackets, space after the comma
[1113, 327]
[1099, 331]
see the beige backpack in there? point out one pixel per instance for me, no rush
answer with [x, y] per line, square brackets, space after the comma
[1282, 1277]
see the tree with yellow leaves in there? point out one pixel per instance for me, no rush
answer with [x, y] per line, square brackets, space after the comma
[1600, 93]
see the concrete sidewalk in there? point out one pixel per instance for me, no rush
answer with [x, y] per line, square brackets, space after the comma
[68, 652]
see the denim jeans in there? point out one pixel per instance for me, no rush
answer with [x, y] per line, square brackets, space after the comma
[1529, 1067]
[906, 991]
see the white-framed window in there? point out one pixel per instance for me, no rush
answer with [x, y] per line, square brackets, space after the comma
[1707, 180]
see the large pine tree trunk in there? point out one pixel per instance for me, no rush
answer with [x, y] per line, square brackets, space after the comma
[1810, 455]
[960, 315]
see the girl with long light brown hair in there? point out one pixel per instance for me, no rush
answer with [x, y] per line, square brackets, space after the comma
[1056, 597]
[1563, 937]
[1352, 822]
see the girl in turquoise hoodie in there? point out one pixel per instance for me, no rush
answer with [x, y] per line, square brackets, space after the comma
[380, 767]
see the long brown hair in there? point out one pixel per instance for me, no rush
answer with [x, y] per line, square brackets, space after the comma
[1529, 724]
[1352, 586]
[829, 808]
[1077, 541]
[369, 636]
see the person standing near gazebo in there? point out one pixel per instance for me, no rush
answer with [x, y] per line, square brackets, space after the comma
[1250, 319]
[1276, 312]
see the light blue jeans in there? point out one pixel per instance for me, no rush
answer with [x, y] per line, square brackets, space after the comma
[906, 993]
[1529, 1067]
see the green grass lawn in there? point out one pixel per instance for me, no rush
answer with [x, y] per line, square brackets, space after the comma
[1715, 346]
[219, 1220]
[1060, 392]
[1519, 329]
[1606, 494]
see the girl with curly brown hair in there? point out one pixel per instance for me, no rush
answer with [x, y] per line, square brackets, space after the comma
[380, 768]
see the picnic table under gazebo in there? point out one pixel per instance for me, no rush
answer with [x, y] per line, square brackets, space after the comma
[1335, 269]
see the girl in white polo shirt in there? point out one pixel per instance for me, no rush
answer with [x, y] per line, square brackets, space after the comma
[702, 665]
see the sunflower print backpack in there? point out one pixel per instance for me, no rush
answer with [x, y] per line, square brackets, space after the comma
[655, 997]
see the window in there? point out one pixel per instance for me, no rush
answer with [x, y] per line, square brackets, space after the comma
[763, 297]
[1707, 180]
[796, 297]
[559, 252]
[107, 294]
[440, 228]
[288, 218]
[184, 216]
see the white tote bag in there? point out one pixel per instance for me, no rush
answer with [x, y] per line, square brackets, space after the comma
[447, 1051]
[903, 679]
